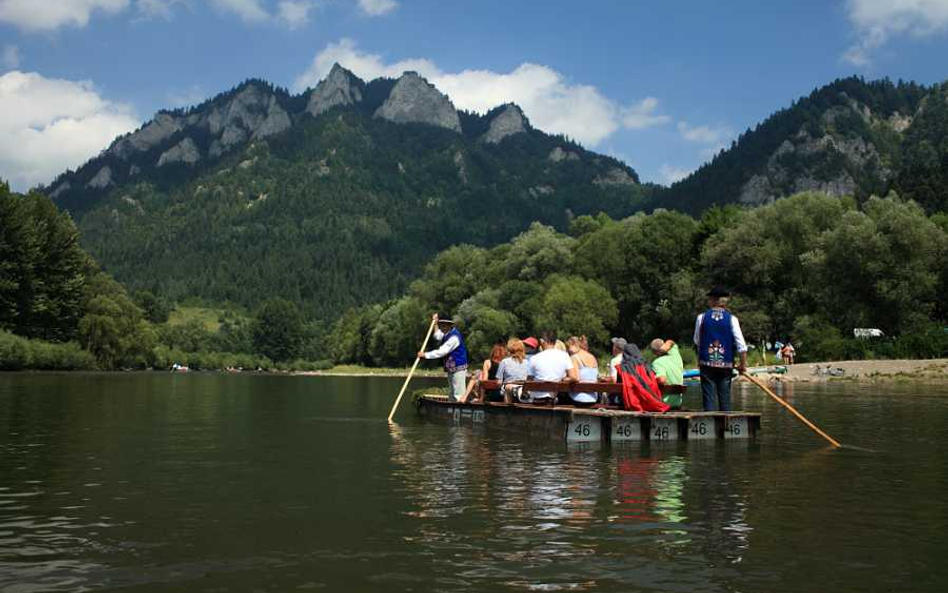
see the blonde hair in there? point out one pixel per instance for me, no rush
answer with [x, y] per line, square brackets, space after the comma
[560, 345]
[515, 349]
[573, 341]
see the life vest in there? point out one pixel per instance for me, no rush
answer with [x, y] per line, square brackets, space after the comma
[716, 340]
[640, 391]
[456, 360]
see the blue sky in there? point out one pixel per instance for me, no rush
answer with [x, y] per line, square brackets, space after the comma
[660, 85]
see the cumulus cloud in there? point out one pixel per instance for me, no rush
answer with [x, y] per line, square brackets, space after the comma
[10, 57]
[672, 174]
[47, 15]
[377, 7]
[48, 125]
[550, 101]
[703, 134]
[876, 21]
[294, 13]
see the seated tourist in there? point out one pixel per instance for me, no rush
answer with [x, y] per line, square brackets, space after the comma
[531, 346]
[489, 371]
[669, 371]
[551, 365]
[640, 390]
[512, 371]
[618, 345]
[587, 369]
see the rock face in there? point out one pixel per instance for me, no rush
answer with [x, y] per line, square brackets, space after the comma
[508, 122]
[339, 88]
[614, 176]
[157, 131]
[276, 121]
[102, 179]
[558, 155]
[415, 100]
[185, 151]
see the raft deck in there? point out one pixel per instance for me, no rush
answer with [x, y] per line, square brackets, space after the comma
[591, 424]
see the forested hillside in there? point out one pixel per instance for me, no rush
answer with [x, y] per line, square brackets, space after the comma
[850, 137]
[330, 206]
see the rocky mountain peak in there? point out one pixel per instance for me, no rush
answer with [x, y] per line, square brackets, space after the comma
[340, 87]
[508, 122]
[415, 100]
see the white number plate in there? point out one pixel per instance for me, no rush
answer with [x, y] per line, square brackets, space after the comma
[626, 429]
[663, 429]
[735, 427]
[584, 430]
[701, 428]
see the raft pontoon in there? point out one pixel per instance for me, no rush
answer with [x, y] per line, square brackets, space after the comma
[590, 424]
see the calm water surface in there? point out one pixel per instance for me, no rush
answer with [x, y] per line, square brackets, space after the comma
[159, 482]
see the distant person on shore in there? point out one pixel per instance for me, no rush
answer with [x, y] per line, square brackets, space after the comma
[550, 364]
[587, 369]
[454, 353]
[719, 339]
[788, 352]
[513, 370]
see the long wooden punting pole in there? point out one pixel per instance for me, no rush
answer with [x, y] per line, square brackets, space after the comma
[793, 410]
[412, 371]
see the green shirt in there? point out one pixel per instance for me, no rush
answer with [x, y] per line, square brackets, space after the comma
[670, 366]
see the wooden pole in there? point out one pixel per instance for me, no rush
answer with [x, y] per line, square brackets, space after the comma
[793, 410]
[411, 372]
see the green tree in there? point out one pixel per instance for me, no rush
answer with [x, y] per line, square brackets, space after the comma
[574, 306]
[278, 330]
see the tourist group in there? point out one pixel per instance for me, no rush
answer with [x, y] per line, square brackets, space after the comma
[651, 387]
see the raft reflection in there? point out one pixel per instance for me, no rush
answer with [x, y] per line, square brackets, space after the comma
[549, 516]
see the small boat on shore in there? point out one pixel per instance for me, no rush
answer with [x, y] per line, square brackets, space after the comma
[590, 424]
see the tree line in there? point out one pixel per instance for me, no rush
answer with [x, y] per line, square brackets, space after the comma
[810, 268]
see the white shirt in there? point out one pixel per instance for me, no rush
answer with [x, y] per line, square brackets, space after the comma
[549, 365]
[735, 331]
[617, 359]
[446, 348]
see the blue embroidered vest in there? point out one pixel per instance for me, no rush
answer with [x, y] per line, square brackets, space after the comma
[456, 360]
[716, 340]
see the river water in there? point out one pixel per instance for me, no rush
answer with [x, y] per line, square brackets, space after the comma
[207, 482]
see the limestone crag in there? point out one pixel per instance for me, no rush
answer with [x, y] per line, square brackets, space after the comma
[415, 100]
[185, 151]
[154, 133]
[614, 176]
[276, 121]
[508, 122]
[102, 179]
[339, 88]
[558, 155]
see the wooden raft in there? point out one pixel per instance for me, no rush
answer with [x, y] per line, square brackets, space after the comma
[591, 424]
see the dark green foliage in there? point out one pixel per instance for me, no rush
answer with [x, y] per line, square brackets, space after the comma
[923, 176]
[278, 330]
[156, 309]
[811, 267]
[17, 353]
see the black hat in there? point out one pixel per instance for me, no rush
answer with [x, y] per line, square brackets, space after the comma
[445, 319]
[718, 292]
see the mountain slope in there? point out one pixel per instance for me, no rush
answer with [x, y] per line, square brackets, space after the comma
[332, 198]
[846, 138]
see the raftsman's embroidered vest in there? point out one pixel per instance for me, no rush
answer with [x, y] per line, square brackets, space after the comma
[456, 360]
[716, 343]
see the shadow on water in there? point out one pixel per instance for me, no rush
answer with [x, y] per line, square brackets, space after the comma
[221, 483]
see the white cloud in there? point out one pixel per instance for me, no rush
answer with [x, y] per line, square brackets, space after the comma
[671, 174]
[189, 97]
[10, 57]
[48, 125]
[876, 21]
[548, 99]
[703, 134]
[163, 9]
[377, 7]
[294, 13]
[642, 115]
[250, 11]
[47, 15]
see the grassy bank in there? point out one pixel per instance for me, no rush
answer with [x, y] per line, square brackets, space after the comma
[18, 353]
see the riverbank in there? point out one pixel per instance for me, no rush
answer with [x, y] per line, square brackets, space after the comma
[351, 370]
[934, 370]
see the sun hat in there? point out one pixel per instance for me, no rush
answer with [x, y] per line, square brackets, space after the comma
[531, 342]
[718, 291]
[620, 342]
[657, 344]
